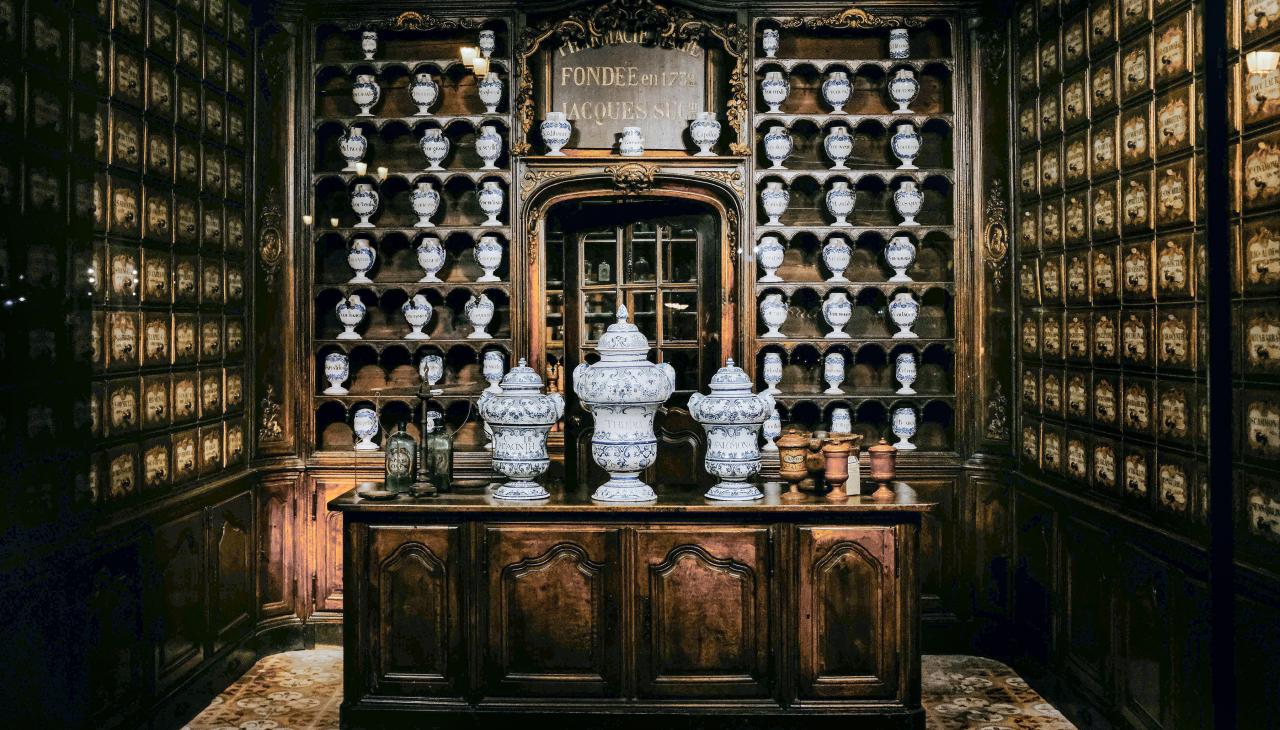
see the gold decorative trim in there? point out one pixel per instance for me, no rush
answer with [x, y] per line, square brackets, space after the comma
[632, 177]
[995, 233]
[532, 231]
[730, 178]
[997, 419]
[269, 428]
[669, 27]
[413, 20]
[854, 18]
[534, 178]
[270, 239]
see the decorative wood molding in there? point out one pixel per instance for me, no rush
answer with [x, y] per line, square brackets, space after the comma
[730, 178]
[533, 228]
[270, 239]
[997, 414]
[995, 233]
[269, 428]
[413, 20]
[632, 178]
[668, 27]
[854, 18]
[534, 178]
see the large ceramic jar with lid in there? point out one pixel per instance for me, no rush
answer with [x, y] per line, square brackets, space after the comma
[623, 391]
[732, 416]
[520, 415]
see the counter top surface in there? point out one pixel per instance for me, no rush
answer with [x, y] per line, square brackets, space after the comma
[669, 501]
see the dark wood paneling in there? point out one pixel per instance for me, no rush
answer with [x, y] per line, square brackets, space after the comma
[1143, 640]
[326, 541]
[180, 584]
[939, 550]
[115, 655]
[990, 548]
[703, 618]
[230, 569]
[572, 649]
[849, 619]
[1033, 576]
[277, 572]
[414, 619]
[1086, 604]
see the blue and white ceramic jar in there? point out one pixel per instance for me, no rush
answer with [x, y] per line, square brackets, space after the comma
[732, 416]
[769, 42]
[704, 130]
[770, 254]
[840, 201]
[771, 430]
[365, 426]
[417, 312]
[431, 369]
[479, 312]
[908, 199]
[899, 43]
[774, 89]
[519, 416]
[424, 91]
[903, 310]
[841, 421]
[905, 144]
[492, 366]
[350, 313]
[836, 311]
[777, 146]
[353, 146]
[623, 391]
[491, 199]
[904, 371]
[489, 146]
[774, 200]
[556, 130]
[435, 147]
[488, 254]
[836, 90]
[833, 372]
[900, 254]
[903, 424]
[490, 91]
[836, 256]
[360, 257]
[337, 368]
[773, 311]
[425, 200]
[838, 145]
[369, 44]
[364, 203]
[631, 143]
[771, 372]
[487, 41]
[431, 258]
[365, 92]
[903, 89]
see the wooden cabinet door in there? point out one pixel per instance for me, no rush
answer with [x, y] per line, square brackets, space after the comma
[230, 569]
[412, 625]
[277, 582]
[553, 618]
[703, 609]
[851, 629]
[327, 542]
[180, 579]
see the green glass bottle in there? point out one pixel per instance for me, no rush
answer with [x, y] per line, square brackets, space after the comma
[439, 452]
[400, 452]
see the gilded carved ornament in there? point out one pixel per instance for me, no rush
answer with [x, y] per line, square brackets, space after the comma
[413, 20]
[854, 18]
[995, 233]
[668, 28]
[270, 240]
[632, 178]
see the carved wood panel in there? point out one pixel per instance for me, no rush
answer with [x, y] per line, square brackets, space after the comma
[849, 623]
[230, 569]
[277, 577]
[1033, 575]
[414, 619]
[1143, 610]
[327, 542]
[1086, 603]
[180, 572]
[112, 636]
[703, 612]
[553, 625]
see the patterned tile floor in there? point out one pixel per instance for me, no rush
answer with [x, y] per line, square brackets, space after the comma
[301, 690]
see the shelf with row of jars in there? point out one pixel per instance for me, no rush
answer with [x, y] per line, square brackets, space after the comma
[854, 228]
[410, 174]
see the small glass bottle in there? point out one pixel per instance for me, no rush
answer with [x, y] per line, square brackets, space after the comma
[400, 452]
[439, 448]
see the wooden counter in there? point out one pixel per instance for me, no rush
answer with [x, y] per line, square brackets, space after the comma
[461, 608]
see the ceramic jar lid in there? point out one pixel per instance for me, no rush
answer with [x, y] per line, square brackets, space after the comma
[623, 340]
[730, 380]
[521, 379]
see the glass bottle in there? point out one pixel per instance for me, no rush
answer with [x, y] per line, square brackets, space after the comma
[439, 450]
[400, 452]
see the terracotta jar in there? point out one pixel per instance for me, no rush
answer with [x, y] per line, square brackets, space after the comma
[883, 459]
[835, 454]
[793, 452]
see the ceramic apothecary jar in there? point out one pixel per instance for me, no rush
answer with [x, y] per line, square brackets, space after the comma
[353, 146]
[365, 92]
[520, 415]
[435, 147]
[425, 200]
[337, 368]
[704, 130]
[770, 254]
[423, 91]
[623, 391]
[732, 416]
[556, 130]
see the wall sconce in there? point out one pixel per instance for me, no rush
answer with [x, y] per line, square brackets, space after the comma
[480, 66]
[1262, 62]
[469, 54]
[382, 174]
[362, 168]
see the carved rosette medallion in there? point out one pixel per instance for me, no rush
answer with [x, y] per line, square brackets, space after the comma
[270, 240]
[995, 234]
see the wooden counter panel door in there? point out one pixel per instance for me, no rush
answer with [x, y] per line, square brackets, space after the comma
[703, 612]
[552, 627]
[413, 622]
[851, 637]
